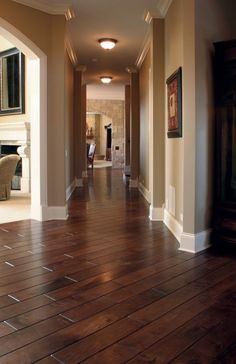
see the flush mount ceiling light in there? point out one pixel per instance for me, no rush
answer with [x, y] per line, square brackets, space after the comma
[105, 79]
[107, 43]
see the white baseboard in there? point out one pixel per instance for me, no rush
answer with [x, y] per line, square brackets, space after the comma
[37, 212]
[133, 183]
[56, 213]
[84, 174]
[194, 243]
[144, 191]
[70, 189]
[173, 225]
[156, 213]
[78, 182]
[45, 213]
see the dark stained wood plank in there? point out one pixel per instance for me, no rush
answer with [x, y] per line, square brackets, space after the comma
[109, 286]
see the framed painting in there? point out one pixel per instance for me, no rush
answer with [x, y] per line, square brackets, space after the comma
[174, 104]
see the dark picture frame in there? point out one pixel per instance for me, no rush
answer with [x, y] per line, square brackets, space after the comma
[174, 104]
[12, 82]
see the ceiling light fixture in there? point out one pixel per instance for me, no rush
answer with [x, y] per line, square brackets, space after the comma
[107, 43]
[105, 79]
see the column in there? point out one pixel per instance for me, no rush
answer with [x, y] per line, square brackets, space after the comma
[79, 139]
[127, 131]
[157, 122]
[134, 128]
[24, 153]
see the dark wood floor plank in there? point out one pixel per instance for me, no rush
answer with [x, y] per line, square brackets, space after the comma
[109, 286]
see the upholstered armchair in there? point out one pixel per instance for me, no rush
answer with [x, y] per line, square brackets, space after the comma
[7, 169]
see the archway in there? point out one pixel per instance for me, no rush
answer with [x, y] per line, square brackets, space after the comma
[38, 115]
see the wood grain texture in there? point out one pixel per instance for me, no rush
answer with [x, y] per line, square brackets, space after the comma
[109, 286]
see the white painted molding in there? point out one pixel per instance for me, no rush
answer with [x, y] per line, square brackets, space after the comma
[55, 213]
[144, 191]
[47, 7]
[84, 174]
[81, 68]
[194, 243]
[70, 189]
[78, 182]
[143, 50]
[156, 213]
[71, 52]
[46, 213]
[163, 6]
[133, 183]
[173, 225]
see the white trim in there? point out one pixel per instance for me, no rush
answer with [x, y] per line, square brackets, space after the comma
[46, 213]
[143, 50]
[144, 191]
[163, 6]
[81, 68]
[71, 52]
[53, 8]
[156, 213]
[194, 243]
[78, 182]
[84, 174]
[133, 183]
[70, 189]
[173, 225]
[55, 213]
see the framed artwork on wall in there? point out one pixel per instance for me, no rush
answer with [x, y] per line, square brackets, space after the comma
[174, 104]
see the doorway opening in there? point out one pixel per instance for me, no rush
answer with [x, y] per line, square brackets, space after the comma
[30, 127]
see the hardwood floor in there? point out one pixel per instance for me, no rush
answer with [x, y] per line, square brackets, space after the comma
[109, 286]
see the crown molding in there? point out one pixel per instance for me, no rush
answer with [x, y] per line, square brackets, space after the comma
[71, 52]
[163, 6]
[81, 68]
[143, 50]
[53, 9]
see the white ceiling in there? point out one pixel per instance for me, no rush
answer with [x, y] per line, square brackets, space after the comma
[94, 19]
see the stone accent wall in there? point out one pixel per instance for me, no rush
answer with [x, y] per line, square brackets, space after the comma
[114, 109]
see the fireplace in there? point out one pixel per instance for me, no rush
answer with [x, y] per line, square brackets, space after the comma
[15, 139]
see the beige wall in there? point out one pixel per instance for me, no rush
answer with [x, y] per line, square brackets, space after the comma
[47, 32]
[114, 109]
[217, 24]
[69, 119]
[174, 146]
[144, 121]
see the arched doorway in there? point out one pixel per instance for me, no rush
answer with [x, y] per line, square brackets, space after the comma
[37, 113]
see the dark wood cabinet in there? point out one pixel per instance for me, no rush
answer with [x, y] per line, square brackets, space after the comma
[224, 219]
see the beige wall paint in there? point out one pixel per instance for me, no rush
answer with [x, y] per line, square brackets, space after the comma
[69, 120]
[47, 32]
[174, 147]
[5, 44]
[217, 24]
[144, 75]
[114, 109]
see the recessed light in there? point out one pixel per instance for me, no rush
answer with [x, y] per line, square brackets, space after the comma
[105, 79]
[107, 43]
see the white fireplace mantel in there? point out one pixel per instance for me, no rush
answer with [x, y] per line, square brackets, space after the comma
[15, 133]
[18, 133]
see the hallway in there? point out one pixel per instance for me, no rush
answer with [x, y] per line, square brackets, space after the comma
[109, 286]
